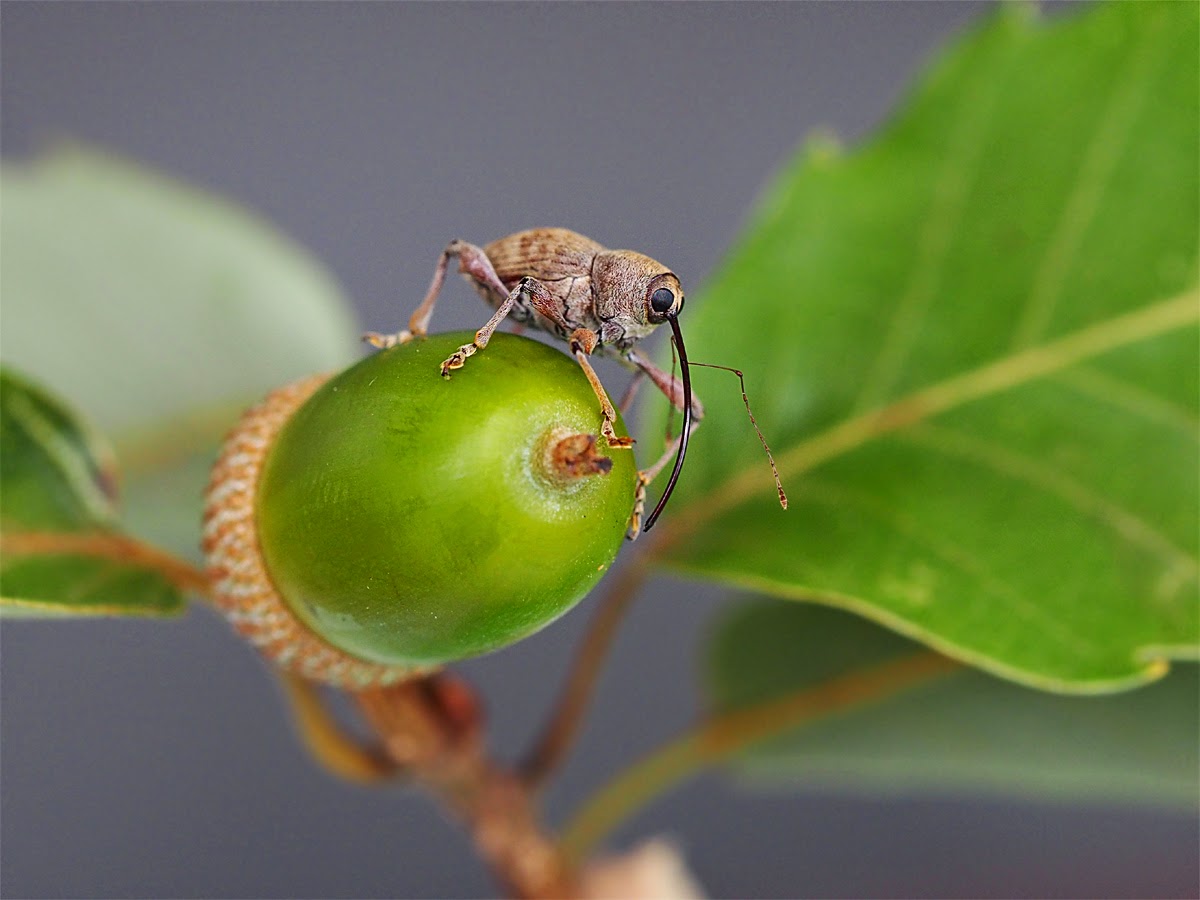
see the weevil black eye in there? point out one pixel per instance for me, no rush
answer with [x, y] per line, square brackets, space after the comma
[662, 300]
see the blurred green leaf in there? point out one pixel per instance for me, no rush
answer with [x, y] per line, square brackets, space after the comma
[160, 311]
[964, 732]
[973, 346]
[57, 511]
[59, 474]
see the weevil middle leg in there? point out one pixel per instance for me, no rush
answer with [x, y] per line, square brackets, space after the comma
[525, 287]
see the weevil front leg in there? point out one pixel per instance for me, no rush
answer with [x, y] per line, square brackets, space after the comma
[672, 387]
[583, 342]
[472, 261]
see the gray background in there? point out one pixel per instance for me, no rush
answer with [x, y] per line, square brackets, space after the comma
[148, 759]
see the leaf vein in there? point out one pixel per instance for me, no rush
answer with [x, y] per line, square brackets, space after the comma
[106, 571]
[1019, 466]
[1093, 175]
[1131, 398]
[952, 554]
[950, 192]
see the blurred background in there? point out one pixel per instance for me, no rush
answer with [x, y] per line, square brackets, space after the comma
[144, 759]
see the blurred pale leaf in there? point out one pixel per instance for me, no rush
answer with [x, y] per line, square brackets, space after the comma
[160, 311]
[973, 345]
[967, 732]
[58, 493]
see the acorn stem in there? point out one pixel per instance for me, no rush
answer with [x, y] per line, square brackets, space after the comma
[430, 726]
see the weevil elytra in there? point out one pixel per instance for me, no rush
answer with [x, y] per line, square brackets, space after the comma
[598, 301]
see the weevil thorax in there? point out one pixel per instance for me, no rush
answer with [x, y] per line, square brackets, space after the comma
[623, 283]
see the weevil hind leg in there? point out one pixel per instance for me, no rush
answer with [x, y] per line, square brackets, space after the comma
[472, 261]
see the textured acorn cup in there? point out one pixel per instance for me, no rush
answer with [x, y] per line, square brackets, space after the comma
[367, 527]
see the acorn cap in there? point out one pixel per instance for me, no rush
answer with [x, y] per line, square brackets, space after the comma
[241, 586]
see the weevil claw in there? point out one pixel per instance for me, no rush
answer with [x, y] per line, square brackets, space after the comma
[614, 440]
[458, 358]
[639, 507]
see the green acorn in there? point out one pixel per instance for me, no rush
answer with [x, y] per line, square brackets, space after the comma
[370, 526]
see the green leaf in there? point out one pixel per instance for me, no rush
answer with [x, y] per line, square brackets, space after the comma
[973, 346]
[62, 554]
[159, 310]
[964, 732]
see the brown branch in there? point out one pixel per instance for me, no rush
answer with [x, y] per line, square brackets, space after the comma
[724, 735]
[329, 744]
[563, 725]
[430, 727]
[111, 546]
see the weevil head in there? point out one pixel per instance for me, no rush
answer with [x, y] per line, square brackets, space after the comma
[633, 295]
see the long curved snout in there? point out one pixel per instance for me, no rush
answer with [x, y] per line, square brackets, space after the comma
[687, 423]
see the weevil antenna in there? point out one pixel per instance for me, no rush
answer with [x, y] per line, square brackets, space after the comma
[685, 369]
[783, 501]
